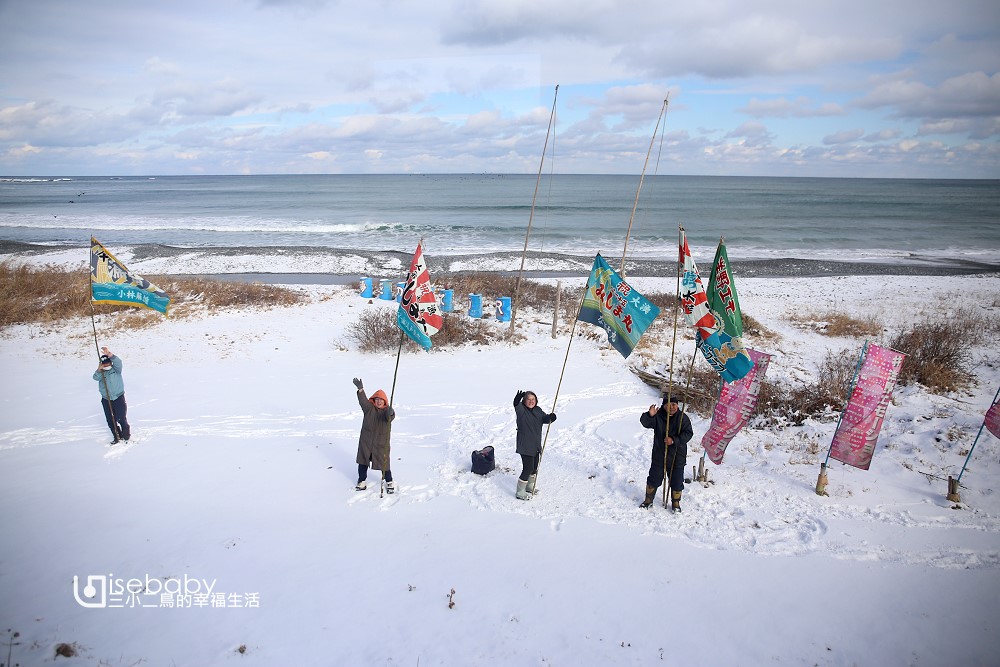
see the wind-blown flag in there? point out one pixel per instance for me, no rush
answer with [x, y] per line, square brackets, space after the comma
[614, 305]
[735, 405]
[419, 316]
[723, 352]
[861, 421]
[112, 282]
[992, 420]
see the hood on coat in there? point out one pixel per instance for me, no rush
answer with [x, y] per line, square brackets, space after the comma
[378, 394]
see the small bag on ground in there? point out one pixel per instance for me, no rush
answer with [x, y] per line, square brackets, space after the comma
[483, 461]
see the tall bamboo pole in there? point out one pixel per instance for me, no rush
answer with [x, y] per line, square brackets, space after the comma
[531, 216]
[673, 348]
[555, 399]
[635, 205]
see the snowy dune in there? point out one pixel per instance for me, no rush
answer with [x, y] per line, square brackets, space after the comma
[241, 471]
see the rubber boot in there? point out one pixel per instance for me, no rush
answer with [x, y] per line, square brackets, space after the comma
[650, 494]
[522, 490]
[675, 501]
[531, 484]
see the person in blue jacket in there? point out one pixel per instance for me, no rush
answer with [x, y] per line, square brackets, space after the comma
[112, 388]
[530, 419]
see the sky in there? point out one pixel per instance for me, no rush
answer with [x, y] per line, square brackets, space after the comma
[883, 88]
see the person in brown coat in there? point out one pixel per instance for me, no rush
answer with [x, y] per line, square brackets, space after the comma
[373, 443]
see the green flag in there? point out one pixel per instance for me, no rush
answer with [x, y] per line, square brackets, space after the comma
[722, 299]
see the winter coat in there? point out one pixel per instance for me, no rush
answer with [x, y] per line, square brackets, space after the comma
[373, 443]
[110, 381]
[680, 430]
[529, 427]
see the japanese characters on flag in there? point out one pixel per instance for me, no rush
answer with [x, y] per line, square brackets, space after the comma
[112, 282]
[617, 307]
[736, 403]
[856, 434]
[419, 316]
[723, 352]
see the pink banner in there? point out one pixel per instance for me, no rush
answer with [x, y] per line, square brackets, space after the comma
[854, 440]
[735, 405]
[993, 419]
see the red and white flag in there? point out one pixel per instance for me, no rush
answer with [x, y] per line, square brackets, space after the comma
[419, 316]
[736, 403]
[861, 421]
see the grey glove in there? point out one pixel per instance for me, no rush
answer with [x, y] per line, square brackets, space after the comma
[358, 384]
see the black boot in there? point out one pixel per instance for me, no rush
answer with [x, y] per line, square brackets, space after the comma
[648, 500]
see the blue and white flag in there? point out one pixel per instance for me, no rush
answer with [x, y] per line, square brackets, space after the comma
[112, 282]
[614, 305]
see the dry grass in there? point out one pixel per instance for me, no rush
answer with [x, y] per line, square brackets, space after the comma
[834, 323]
[50, 294]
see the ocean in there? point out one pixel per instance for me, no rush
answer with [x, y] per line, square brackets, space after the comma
[949, 224]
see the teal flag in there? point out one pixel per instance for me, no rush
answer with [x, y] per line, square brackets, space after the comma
[614, 305]
[112, 282]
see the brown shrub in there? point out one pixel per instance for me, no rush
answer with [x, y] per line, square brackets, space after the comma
[782, 402]
[375, 330]
[937, 354]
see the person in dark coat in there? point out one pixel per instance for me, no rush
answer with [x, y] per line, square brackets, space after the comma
[112, 388]
[671, 432]
[530, 419]
[373, 443]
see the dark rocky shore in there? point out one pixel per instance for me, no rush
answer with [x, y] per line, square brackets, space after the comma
[537, 265]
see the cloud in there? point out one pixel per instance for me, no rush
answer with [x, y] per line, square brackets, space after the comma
[781, 107]
[843, 137]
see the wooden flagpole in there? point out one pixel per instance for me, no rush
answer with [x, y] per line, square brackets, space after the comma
[555, 399]
[670, 374]
[635, 205]
[97, 346]
[822, 481]
[392, 392]
[531, 216]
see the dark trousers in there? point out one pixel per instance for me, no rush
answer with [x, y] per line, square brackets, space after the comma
[675, 467]
[363, 473]
[114, 412]
[529, 466]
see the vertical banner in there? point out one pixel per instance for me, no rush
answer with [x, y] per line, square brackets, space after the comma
[735, 405]
[419, 316]
[614, 305]
[861, 421]
[992, 420]
[112, 282]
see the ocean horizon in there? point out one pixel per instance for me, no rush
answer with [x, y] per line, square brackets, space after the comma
[479, 221]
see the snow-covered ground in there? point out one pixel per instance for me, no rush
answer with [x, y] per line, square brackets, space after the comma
[241, 470]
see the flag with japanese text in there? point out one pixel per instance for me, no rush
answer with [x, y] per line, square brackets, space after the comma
[860, 423]
[111, 282]
[419, 316]
[617, 307]
[723, 352]
[736, 403]
[992, 420]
